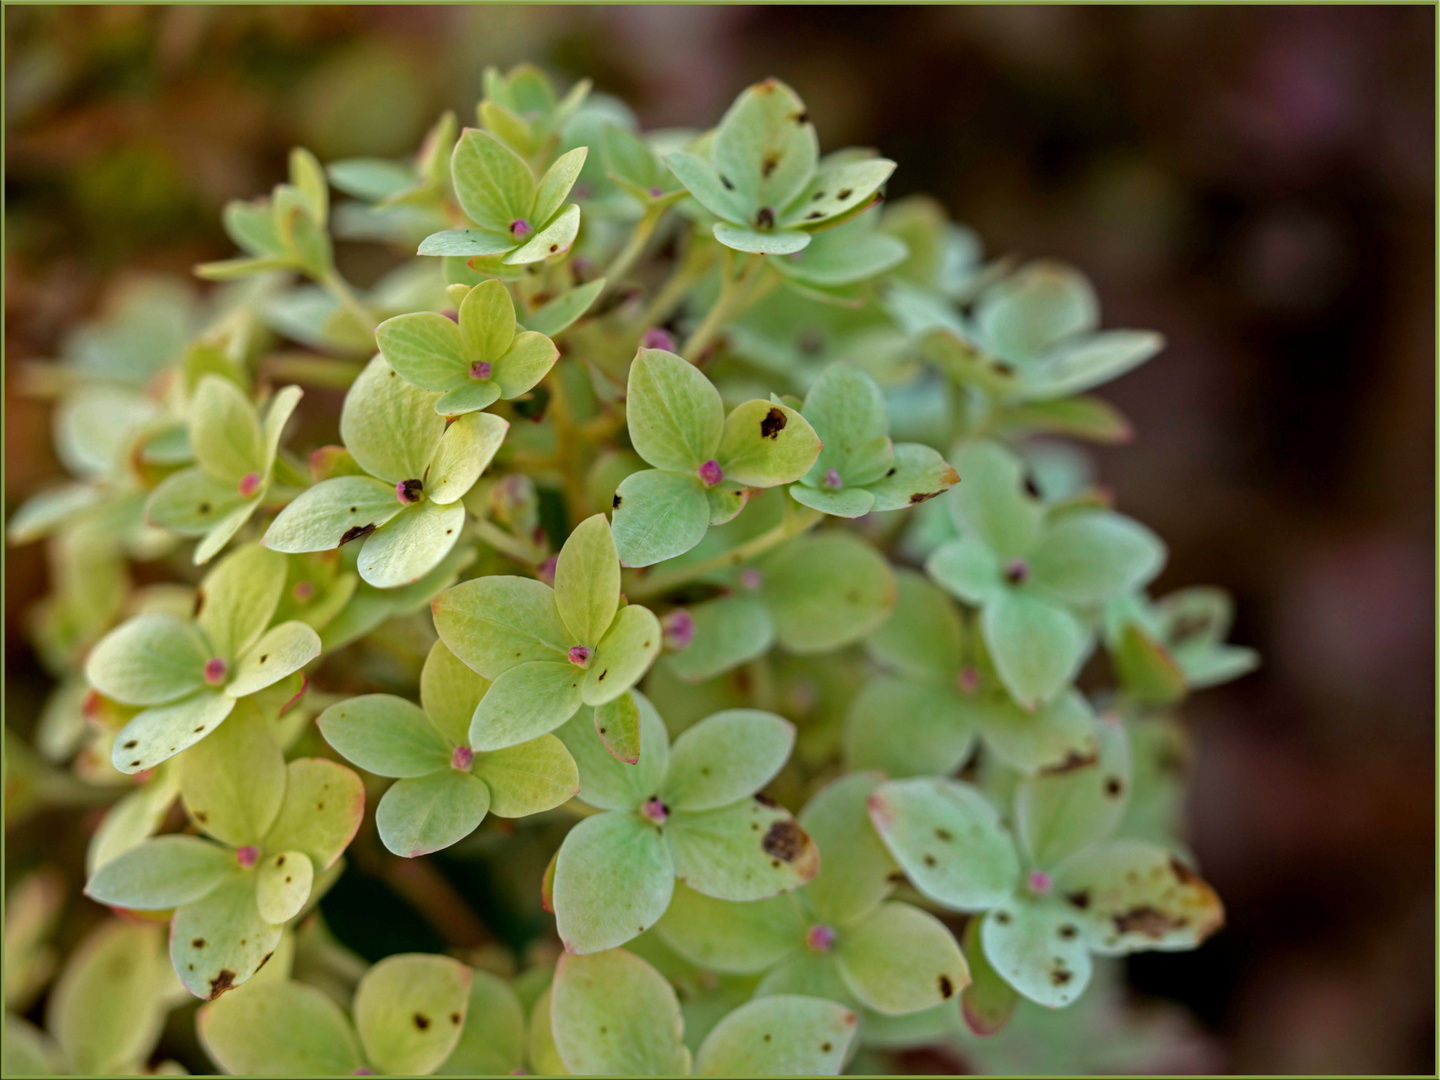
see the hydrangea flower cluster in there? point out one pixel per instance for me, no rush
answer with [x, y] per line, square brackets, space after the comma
[699, 522]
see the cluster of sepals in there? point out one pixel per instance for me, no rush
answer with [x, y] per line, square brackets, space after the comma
[958, 780]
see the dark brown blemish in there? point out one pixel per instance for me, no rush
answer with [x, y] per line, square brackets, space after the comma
[222, 982]
[929, 860]
[615, 503]
[1068, 931]
[814, 215]
[134, 764]
[1072, 761]
[355, 532]
[1183, 873]
[1079, 899]
[768, 165]
[1060, 976]
[947, 988]
[198, 943]
[1003, 918]
[204, 508]
[785, 840]
[765, 800]
[131, 744]
[201, 816]
[602, 675]
[421, 1021]
[767, 1036]
[765, 218]
[198, 730]
[199, 603]
[1030, 488]
[1148, 921]
[726, 181]
[944, 834]
[825, 1048]
[1113, 787]
[773, 424]
[264, 960]
[921, 496]
[455, 1019]
[801, 117]
[844, 193]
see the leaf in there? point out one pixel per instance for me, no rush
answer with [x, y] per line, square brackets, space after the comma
[133, 819]
[610, 784]
[411, 544]
[390, 426]
[1091, 556]
[783, 242]
[487, 322]
[283, 1029]
[845, 255]
[385, 735]
[218, 942]
[744, 851]
[1130, 895]
[540, 1049]
[492, 1040]
[728, 632]
[989, 1001]
[658, 515]
[948, 839]
[492, 183]
[674, 412]
[703, 182]
[324, 802]
[857, 878]
[765, 444]
[966, 569]
[765, 145]
[612, 1014]
[529, 778]
[282, 885]
[1067, 807]
[233, 782]
[465, 451]
[899, 959]
[25, 1050]
[847, 411]
[283, 650]
[990, 502]
[1035, 945]
[238, 598]
[225, 431]
[613, 880]
[371, 179]
[449, 692]
[618, 725]
[624, 654]
[1081, 417]
[723, 936]
[332, 513]
[148, 660]
[827, 591]
[498, 622]
[726, 757]
[811, 1037]
[808, 973]
[908, 728]
[922, 635]
[554, 239]
[160, 733]
[587, 581]
[846, 503]
[1037, 646]
[409, 1011]
[423, 814]
[466, 243]
[919, 473]
[526, 702]
[1077, 366]
[425, 348]
[557, 316]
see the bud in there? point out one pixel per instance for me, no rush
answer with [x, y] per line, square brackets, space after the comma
[579, 655]
[481, 370]
[249, 484]
[658, 338]
[247, 855]
[831, 481]
[677, 630]
[462, 758]
[710, 473]
[520, 228]
[409, 491]
[215, 671]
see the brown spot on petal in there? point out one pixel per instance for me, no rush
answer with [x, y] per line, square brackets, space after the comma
[768, 165]
[773, 424]
[1183, 873]
[1060, 976]
[615, 503]
[921, 496]
[222, 982]
[455, 1019]
[198, 943]
[1113, 787]
[785, 840]
[1072, 761]
[947, 988]
[1148, 921]
[355, 532]
[1079, 899]
[199, 603]
[421, 1021]
[760, 796]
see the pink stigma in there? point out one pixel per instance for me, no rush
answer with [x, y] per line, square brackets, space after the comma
[481, 370]
[831, 481]
[579, 655]
[751, 579]
[820, 938]
[1040, 882]
[247, 855]
[520, 228]
[655, 810]
[249, 484]
[1017, 572]
[968, 680]
[677, 630]
[710, 473]
[546, 570]
[656, 192]
[462, 758]
[215, 671]
[303, 591]
[656, 338]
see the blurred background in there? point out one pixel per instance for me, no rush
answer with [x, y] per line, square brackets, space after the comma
[1257, 184]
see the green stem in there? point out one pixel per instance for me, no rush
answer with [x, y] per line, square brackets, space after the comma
[657, 584]
[644, 229]
[736, 296]
[339, 288]
[687, 272]
[506, 544]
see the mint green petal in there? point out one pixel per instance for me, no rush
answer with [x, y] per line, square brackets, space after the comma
[990, 500]
[468, 397]
[917, 473]
[745, 851]
[781, 242]
[529, 778]
[492, 1042]
[781, 1035]
[613, 880]
[281, 650]
[385, 735]
[161, 873]
[847, 502]
[728, 632]
[1029, 742]
[492, 183]
[494, 623]
[809, 973]
[411, 544]
[284, 1029]
[224, 531]
[728, 937]
[525, 363]
[899, 959]
[449, 692]
[1080, 365]
[324, 802]
[1036, 645]
[233, 782]
[923, 634]
[557, 182]
[764, 444]
[837, 189]
[396, 995]
[624, 654]
[390, 425]
[908, 728]
[1090, 557]
[615, 1015]
[610, 784]
[1070, 806]
[225, 430]
[587, 581]
[827, 591]
[1035, 946]
[554, 239]
[726, 757]
[282, 885]
[148, 660]
[191, 502]
[727, 499]
[673, 411]
[218, 942]
[161, 732]
[1035, 308]
[765, 145]
[526, 702]
[658, 515]
[466, 243]
[425, 348]
[487, 321]
[557, 316]
[422, 814]
[465, 451]
[966, 569]
[857, 879]
[703, 182]
[332, 513]
[237, 599]
[847, 411]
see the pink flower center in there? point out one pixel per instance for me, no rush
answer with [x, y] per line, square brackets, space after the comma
[751, 579]
[710, 473]
[831, 481]
[462, 758]
[820, 938]
[409, 491]
[249, 484]
[1040, 882]
[481, 370]
[215, 671]
[677, 630]
[968, 680]
[520, 228]
[656, 338]
[303, 591]
[1017, 572]
[656, 192]
[579, 655]
[247, 855]
[655, 810]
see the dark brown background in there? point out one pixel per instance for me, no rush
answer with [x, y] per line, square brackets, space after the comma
[1258, 184]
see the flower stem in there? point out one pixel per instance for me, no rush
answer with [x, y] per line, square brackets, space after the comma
[644, 229]
[339, 288]
[657, 584]
[737, 294]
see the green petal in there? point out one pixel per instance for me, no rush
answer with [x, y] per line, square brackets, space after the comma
[467, 398]
[425, 348]
[838, 188]
[702, 181]
[618, 725]
[922, 636]
[827, 591]
[385, 735]
[332, 513]
[765, 145]
[673, 411]
[492, 183]
[529, 778]
[918, 473]
[467, 243]
[810, 1037]
[449, 692]
[846, 503]
[225, 529]
[232, 783]
[282, 650]
[613, 880]
[148, 660]
[610, 784]
[217, 943]
[284, 1029]
[854, 881]
[908, 728]
[587, 581]
[526, 702]
[658, 515]
[612, 1014]
[554, 239]
[390, 426]
[162, 873]
[525, 363]
[225, 430]
[324, 802]
[465, 451]
[161, 732]
[725, 758]
[744, 851]
[624, 654]
[948, 839]
[540, 1050]
[966, 569]
[723, 936]
[782, 242]
[559, 314]
[1090, 557]
[845, 255]
[990, 500]
[409, 1011]
[1037, 647]
[190, 502]
[899, 959]
[282, 885]
[1034, 309]
[411, 544]
[238, 598]
[1067, 807]
[1035, 946]
[492, 1040]
[1077, 366]
[989, 1001]
[728, 632]
[133, 819]
[847, 411]
[487, 322]
[1029, 742]
[422, 814]
[765, 444]
[809, 973]
[495, 623]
